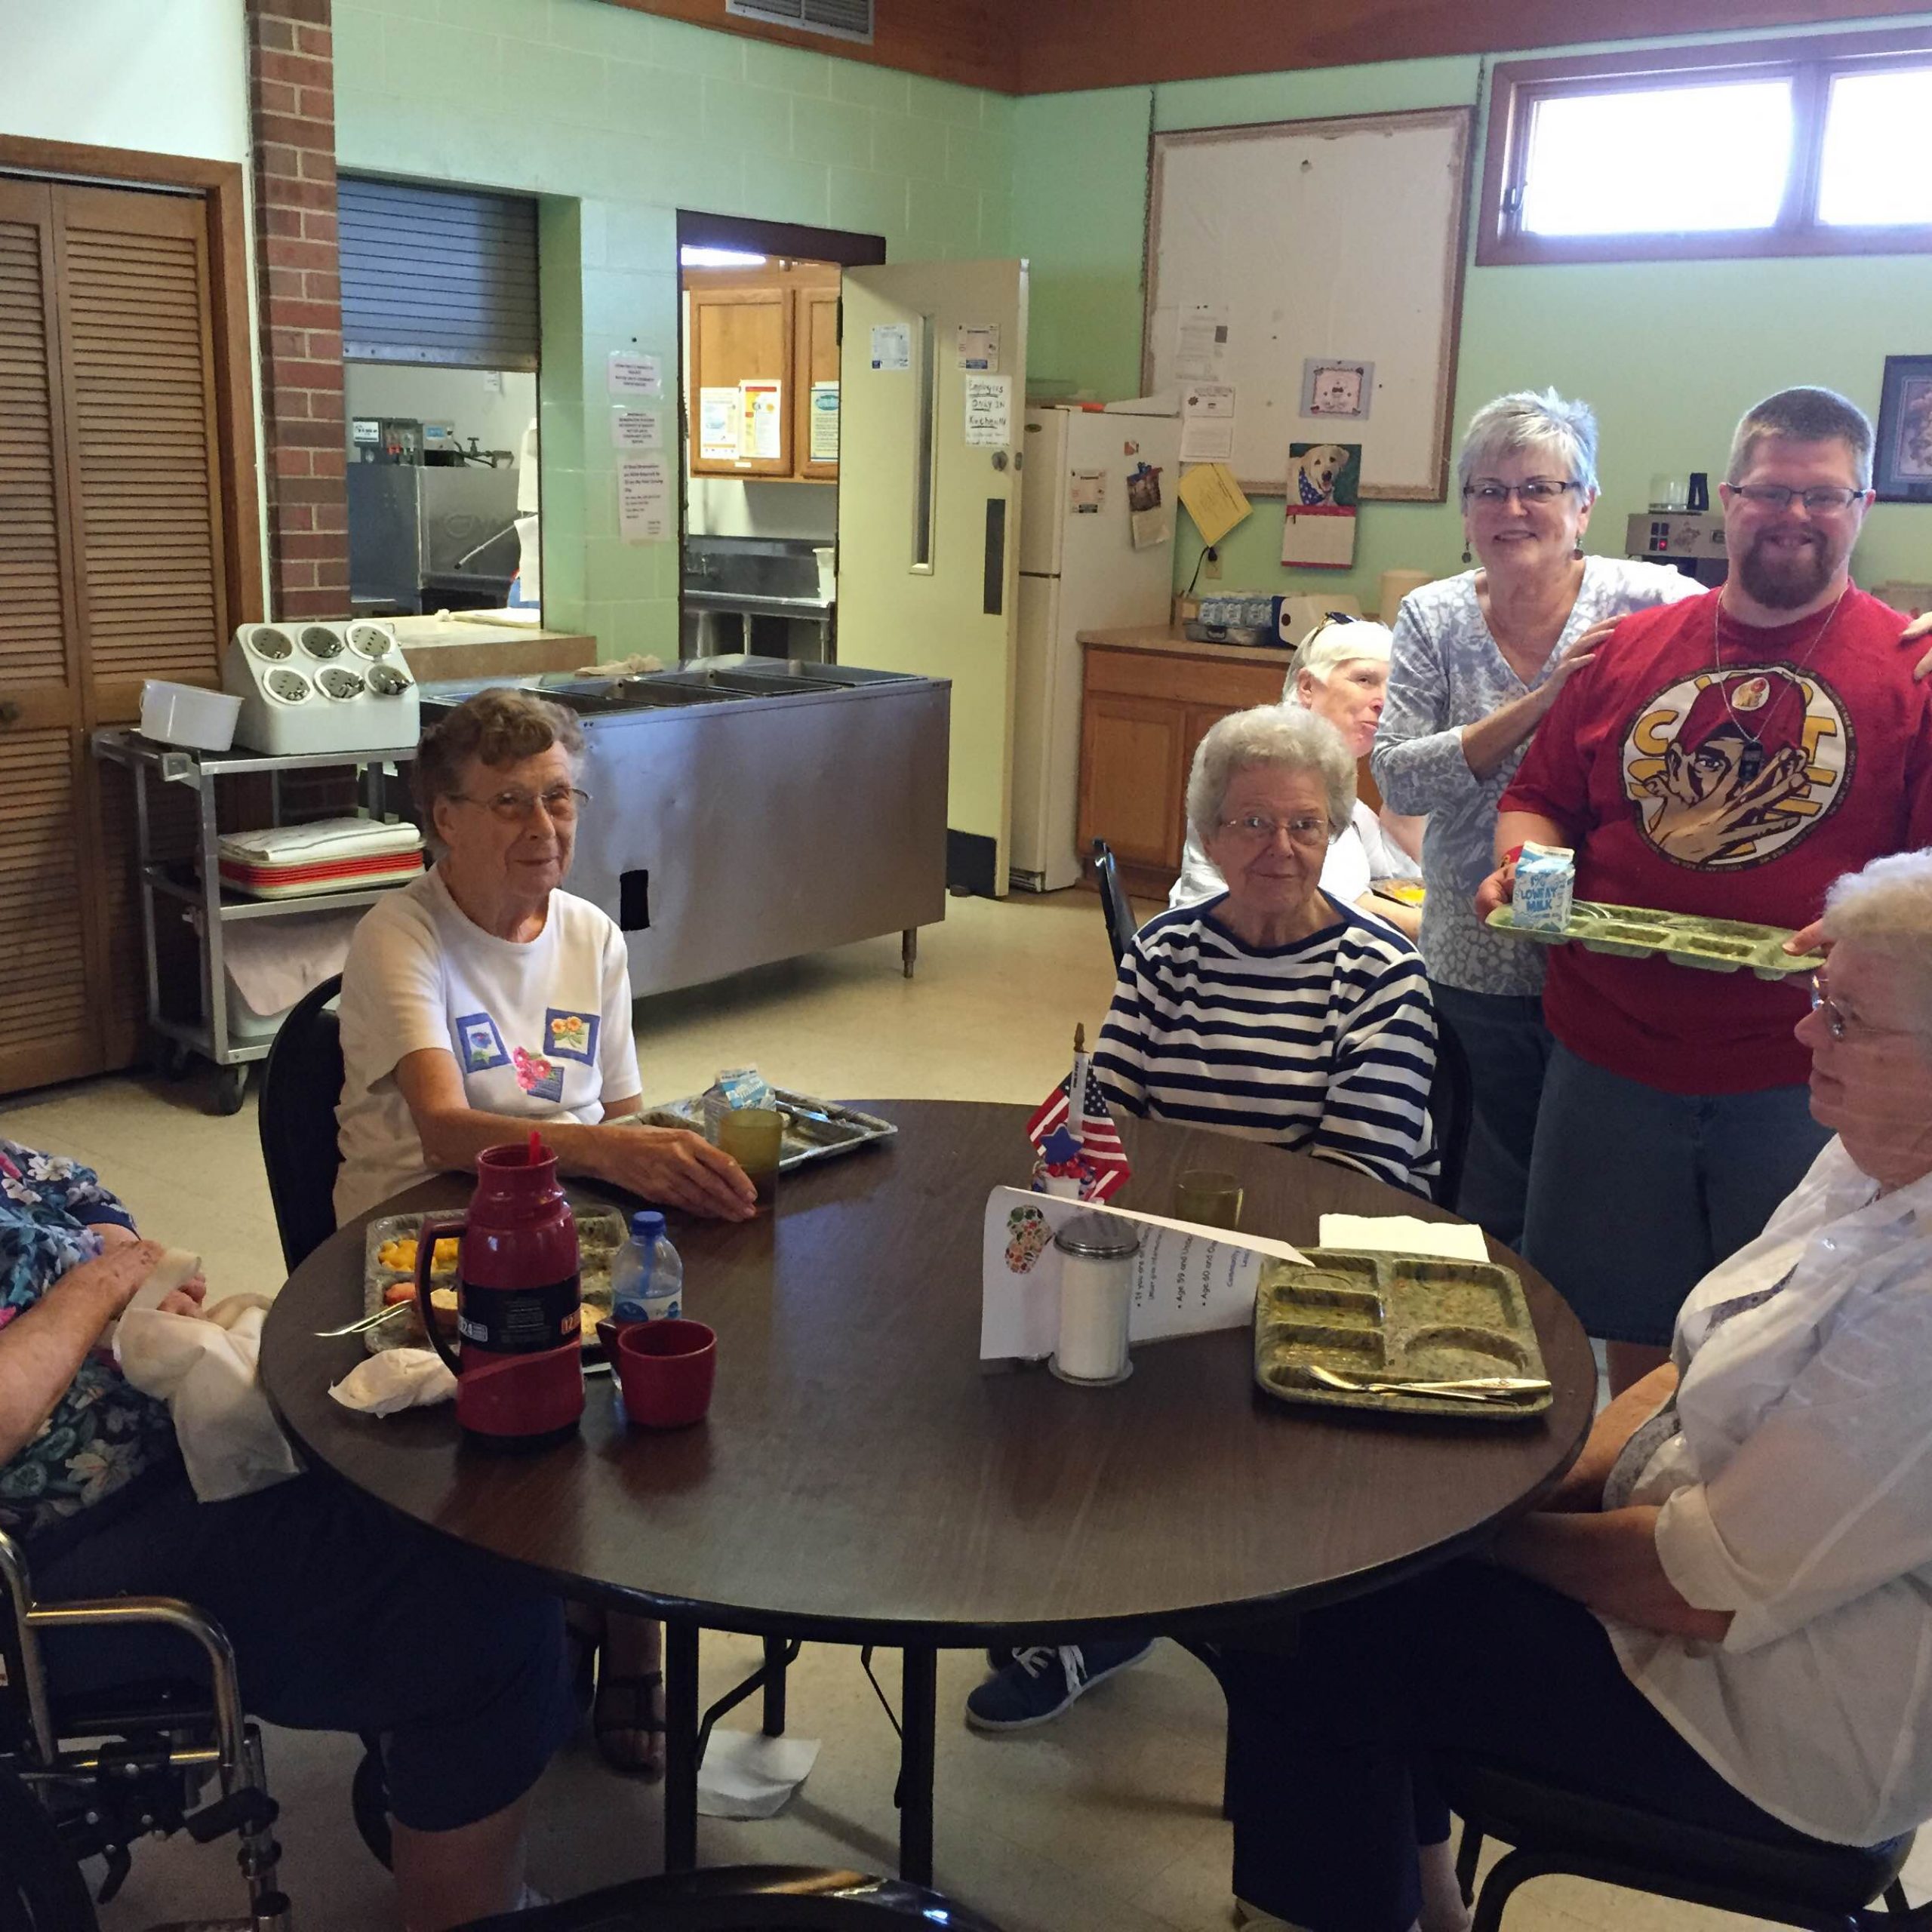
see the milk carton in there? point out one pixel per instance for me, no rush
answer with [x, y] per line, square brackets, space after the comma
[1546, 876]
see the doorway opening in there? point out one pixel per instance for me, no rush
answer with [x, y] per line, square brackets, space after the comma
[759, 383]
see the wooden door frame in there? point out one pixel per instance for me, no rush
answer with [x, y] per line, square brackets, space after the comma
[221, 184]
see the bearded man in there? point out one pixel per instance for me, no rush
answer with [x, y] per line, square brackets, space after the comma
[1726, 756]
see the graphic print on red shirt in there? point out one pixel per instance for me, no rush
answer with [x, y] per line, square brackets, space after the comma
[1702, 765]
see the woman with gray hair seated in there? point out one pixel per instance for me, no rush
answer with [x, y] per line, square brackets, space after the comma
[1341, 673]
[1273, 1010]
[1478, 659]
[1722, 1614]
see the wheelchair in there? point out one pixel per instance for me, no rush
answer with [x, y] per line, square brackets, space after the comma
[83, 1775]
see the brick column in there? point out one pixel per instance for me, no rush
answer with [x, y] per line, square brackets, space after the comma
[291, 89]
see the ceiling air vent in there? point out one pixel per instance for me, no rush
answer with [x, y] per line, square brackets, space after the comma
[844, 20]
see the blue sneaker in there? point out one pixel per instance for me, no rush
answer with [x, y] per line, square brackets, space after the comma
[1041, 1681]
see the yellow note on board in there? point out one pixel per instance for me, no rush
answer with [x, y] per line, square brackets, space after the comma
[1214, 500]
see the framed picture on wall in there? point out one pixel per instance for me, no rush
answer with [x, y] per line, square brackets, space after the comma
[1902, 464]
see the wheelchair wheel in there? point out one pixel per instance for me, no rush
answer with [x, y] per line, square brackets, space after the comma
[41, 1889]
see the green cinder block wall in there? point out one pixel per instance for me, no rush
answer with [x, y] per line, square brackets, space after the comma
[617, 120]
[1668, 353]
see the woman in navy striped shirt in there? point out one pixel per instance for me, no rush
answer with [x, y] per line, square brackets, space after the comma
[1274, 1011]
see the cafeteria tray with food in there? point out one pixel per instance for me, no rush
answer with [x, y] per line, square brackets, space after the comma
[1400, 1335]
[814, 1130]
[1631, 932]
[389, 1273]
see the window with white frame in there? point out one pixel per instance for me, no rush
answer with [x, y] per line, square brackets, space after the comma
[1810, 145]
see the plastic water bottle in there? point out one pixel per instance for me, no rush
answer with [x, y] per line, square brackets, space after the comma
[647, 1276]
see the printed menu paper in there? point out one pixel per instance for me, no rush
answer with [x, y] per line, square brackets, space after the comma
[631, 374]
[717, 425]
[892, 345]
[761, 422]
[1214, 499]
[643, 500]
[825, 423]
[988, 412]
[636, 429]
[1188, 1279]
[1207, 423]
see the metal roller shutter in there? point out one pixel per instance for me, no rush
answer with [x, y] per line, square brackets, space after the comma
[442, 275]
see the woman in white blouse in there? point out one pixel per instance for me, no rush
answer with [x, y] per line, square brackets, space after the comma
[1724, 1612]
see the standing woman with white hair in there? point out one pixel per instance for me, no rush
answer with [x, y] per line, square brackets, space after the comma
[1341, 673]
[1477, 659]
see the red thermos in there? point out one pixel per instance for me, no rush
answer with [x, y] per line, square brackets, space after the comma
[519, 1369]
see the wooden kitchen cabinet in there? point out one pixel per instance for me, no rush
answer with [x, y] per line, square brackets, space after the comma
[1147, 705]
[779, 323]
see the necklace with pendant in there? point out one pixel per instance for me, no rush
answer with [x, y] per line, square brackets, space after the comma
[1803, 658]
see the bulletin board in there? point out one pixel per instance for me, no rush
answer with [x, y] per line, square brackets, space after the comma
[1312, 242]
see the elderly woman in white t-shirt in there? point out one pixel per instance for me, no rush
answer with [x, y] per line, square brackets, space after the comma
[1341, 673]
[483, 1000]
[1722, 1614]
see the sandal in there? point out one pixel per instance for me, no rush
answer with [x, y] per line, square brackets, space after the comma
[625, 1708]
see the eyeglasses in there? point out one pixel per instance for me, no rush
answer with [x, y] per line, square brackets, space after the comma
[1775, 496]
[1538, 489]
[561, 803]
[1835, 1022]
[1256, 829]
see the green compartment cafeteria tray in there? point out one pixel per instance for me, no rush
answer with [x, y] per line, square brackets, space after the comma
[1391, 1316]
[1630, 932]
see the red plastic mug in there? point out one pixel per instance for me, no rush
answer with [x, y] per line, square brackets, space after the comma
[665, 1369]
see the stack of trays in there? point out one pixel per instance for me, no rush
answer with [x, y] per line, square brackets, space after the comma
[332, 855]
[1633, 932]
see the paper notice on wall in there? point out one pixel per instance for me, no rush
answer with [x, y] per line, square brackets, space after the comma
[1201, 343]
[636, 429]
[892, 345]
[633, 374]
[1088, 491]
[643, 500]
[988, 412]
[1214, 499]
[979, 348]
[1187, 1278]
[1207, 423]
[717, 425]
[825, 423]
[761, 421]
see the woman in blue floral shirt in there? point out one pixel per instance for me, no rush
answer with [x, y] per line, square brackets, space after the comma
[326, 1597]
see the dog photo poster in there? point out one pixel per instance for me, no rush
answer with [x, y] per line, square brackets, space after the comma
[1318, 530]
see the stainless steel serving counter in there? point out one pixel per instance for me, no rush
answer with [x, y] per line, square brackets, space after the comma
[745, 810]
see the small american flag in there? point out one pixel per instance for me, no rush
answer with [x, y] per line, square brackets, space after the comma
[1088, 1147]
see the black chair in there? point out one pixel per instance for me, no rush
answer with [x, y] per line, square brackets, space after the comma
[301, 1083]
[86, 1774]
[1830, 1888]
[746, 1898]
[1121, 924]
[1449, 1105]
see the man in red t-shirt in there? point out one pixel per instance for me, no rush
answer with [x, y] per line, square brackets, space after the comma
[1730, 755]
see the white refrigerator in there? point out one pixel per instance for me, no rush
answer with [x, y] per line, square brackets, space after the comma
[1078, 571]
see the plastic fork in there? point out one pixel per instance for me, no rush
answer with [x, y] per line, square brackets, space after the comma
[387, 1312]
[1475, 1389]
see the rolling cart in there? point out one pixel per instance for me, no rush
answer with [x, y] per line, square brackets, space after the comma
[197, 886]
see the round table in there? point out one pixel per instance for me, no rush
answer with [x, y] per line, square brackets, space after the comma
[861, 1478]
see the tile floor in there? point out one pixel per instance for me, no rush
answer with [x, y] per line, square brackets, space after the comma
[1106, 1822]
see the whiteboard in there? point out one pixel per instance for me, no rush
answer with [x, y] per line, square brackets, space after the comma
[1341, 238]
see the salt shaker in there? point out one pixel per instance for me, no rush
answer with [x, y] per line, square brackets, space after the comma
[1096, 1254]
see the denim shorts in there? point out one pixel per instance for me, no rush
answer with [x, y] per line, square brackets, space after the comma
[1635, 1195]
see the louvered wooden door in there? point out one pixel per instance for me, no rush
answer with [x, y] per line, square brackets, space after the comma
[111, 571]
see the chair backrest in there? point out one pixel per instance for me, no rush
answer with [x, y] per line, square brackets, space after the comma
[1449, 1106]
[301, 1083]
[1120, 926]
